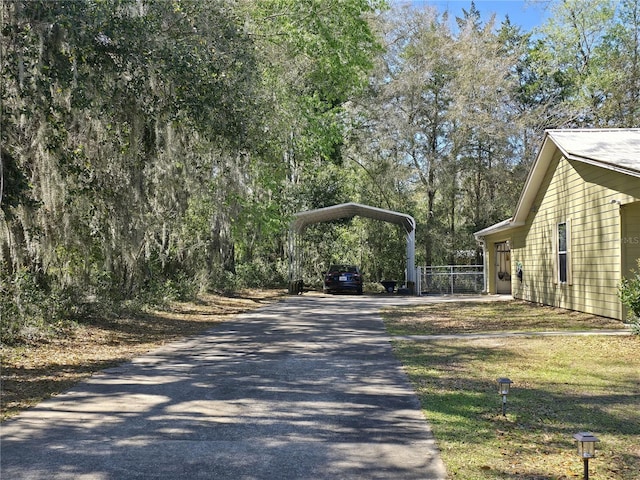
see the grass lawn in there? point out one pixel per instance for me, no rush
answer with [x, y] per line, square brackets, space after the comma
[478, 317]
[562, 385]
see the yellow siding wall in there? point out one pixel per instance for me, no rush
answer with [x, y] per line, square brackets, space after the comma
[581, 195]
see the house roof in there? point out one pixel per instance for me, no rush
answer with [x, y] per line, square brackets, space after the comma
[349, 210]
[617, 149]
[612, 149]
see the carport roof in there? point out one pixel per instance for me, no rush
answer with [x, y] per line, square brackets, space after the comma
[350, 210]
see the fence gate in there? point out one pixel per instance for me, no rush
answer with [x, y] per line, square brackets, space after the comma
[450, 279]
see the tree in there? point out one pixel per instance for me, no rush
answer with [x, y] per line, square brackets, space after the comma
[619, 67]
[399, 125]
[142, 139]
[316, 54]
[486, 122]
[115, 123]
[575, 54]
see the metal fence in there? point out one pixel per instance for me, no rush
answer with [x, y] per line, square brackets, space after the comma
[450, 279]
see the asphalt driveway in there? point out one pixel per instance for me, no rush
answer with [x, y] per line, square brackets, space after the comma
[304, 389]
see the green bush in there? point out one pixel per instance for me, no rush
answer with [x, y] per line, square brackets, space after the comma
[10, 322]
[221, 280]
[629, 292]
[255, 274]
[261, 274]
[35, 306]
[31, 311]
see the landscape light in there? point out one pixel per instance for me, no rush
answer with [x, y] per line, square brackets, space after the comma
[503, 389]
[586, 449]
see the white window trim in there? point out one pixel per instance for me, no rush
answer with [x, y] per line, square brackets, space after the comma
[566, 252]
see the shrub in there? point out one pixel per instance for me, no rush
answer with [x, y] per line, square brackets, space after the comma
[261, 274]
[30, 311]
[629, 292]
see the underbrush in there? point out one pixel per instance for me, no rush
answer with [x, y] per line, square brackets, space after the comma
[629, 293]
[34, 308]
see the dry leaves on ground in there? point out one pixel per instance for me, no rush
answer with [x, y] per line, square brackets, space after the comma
[475, 317]
[34, 372]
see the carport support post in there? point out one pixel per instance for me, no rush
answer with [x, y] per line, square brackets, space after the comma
[411, 260]
[295, 263]
[485, 264]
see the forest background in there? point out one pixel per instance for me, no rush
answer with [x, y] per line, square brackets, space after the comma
[153, 149]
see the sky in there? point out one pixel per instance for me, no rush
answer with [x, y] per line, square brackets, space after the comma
[526, 13]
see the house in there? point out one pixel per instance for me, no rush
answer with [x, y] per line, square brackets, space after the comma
[575, 232]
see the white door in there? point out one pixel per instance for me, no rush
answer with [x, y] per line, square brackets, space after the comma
[503, 268]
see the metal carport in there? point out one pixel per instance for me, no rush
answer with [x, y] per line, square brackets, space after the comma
[347, 210]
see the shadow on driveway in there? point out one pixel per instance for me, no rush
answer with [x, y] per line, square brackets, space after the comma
[307, 388]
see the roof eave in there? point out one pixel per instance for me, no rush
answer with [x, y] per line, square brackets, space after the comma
[497, 228]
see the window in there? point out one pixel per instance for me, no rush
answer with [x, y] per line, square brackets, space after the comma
[562, 252]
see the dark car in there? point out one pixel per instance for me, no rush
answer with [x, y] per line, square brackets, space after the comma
[343, 278]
